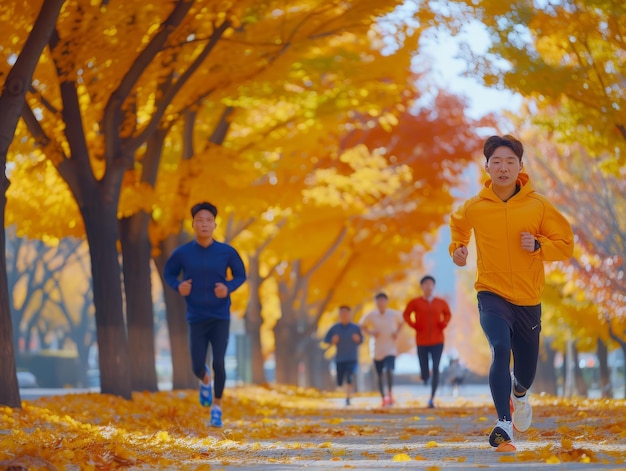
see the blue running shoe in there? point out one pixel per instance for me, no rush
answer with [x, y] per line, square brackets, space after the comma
[216, 417]
[206, 391]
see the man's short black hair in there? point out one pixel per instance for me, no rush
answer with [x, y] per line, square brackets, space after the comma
[381, 296]
[507, 140]
[426, 278]
[204, 205]
[343, 307]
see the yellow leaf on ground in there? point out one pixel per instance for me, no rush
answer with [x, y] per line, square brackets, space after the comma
[401, 457]
[432, 444]
[553, 460]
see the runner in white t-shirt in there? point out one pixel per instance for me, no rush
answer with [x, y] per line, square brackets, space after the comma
[384, 325]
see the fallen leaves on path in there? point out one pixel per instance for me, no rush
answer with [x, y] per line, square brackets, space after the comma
[284, 425]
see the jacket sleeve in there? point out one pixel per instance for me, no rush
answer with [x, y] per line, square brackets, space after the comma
[555, 236]
[238, 271]
[364, 324]
[172, 270]
[410, 309]
[329, 335]
[447, 315]
[358, 331]
[460, 230]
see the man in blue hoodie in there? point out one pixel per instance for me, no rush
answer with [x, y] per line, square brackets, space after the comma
[347, 337]
[203, 264]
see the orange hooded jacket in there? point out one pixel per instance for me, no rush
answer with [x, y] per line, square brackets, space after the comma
[503, 267]
[429, 320]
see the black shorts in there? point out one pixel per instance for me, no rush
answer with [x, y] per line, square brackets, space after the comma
[387, 363]
[523, 321]
[345, 369]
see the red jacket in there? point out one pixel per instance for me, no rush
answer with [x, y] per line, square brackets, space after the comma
[429, 320]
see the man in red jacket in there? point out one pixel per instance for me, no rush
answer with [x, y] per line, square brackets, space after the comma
[429, 316]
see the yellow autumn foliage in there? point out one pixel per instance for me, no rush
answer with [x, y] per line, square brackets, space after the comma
[282, 424]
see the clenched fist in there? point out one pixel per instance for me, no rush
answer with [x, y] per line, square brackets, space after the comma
[185, 288]
[459, 257]
[528, 241]
[221, 291]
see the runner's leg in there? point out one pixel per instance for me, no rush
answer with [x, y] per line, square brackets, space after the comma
[198, 347]
[498, 334]
[525, 346]
[378, 365]
[435, 351]
[390, 363]
[219, 342]
[422, 356]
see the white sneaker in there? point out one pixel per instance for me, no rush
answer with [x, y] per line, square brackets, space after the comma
[521, 410]
[502, 433]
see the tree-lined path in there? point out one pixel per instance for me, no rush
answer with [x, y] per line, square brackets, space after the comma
[287, 428]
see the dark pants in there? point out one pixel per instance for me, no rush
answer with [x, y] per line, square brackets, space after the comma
[201, 334]
[509, 328]
[345, 370]
[434, 351]
[386, 364]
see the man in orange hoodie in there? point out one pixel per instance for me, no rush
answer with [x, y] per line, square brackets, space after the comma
[516, 230]
[429, 316]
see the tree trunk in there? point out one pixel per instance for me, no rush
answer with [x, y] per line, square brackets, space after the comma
[11, 103]
[83, 362]
[622, 344]
[318, 367]
[581, 386]
[606, 389]
[285, 351]
[9, 392]
[100, 217]
[136, 256]
[569, 370]
[10, 266]
[176, 310]
[546, 380]
[254, 321]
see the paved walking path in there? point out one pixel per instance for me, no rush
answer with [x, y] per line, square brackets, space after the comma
[454, 435]
[294, 433]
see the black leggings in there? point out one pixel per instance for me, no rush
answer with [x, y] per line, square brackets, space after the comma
[387, 364]
[509, 328]
[435, 352]
[201, 334]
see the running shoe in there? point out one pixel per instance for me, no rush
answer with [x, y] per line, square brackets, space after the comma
[216, 417]
[431, 404]
[206, 391]
[501, 433]
[522, 412]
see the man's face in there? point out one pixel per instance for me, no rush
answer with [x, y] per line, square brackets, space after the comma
[204, 223]
[381, 303]
[503, 167]
[345, 316]
[427, 288]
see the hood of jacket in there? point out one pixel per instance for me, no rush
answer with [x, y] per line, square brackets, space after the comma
[523, 182]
